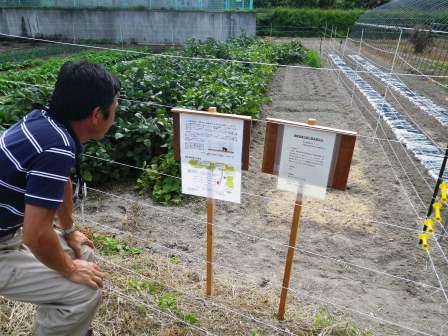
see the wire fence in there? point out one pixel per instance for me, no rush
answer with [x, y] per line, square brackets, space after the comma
[418, 51]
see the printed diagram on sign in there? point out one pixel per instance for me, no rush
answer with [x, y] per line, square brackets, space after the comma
[223, 174]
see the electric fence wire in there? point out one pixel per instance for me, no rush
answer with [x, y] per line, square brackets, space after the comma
[258, 120]
[272, 242]
[151, 103]
[339, 261]
[244, 314]
[399, 55]
[129, 298]
[297, 293]
[244, 193]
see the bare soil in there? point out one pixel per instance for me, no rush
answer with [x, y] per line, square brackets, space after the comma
[350, 226]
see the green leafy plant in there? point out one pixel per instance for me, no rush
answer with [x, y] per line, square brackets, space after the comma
[109, 246]
[144, 285]
[161, 180]
[168, 300]
[190, 318]
[327, 324]
[312, 58]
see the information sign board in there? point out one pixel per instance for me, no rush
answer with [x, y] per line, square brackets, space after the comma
[305, 160]
[211, 156]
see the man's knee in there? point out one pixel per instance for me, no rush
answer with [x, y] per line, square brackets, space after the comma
[95, 298]
[88, 299]
[69, 318]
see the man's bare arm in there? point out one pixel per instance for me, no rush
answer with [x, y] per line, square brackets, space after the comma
[65, 211]
[42, 240]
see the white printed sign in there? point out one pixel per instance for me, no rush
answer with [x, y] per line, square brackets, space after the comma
[305, 161]
[211, 156]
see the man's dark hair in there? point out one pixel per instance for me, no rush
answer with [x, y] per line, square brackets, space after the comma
[80, 88]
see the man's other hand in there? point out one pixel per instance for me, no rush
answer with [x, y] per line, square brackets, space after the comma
[86, 273]
[75, 240]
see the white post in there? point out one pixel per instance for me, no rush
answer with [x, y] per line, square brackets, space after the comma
[359, 53]
[360, 41]
[335, 38]
[338, 73]
[325, 39]
[345, 44]
[331, 39]
[387, 86]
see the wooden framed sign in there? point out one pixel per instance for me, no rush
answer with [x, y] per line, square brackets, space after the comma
[213, 149]
[315, 156]
[306, 158]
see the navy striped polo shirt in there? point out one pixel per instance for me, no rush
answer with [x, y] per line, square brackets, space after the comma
[36, 158]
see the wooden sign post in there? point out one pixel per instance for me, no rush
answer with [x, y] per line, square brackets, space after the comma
[335, 168]
[219, 147]
[210, 223]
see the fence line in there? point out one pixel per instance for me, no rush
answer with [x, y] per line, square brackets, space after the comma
[220, 226]
[369, 316]
[245, 315]
[173, 106]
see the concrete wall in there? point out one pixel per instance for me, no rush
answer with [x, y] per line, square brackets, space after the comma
[151, 27]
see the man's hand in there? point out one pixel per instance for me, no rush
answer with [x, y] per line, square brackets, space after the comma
[75, 240]
[86, 273]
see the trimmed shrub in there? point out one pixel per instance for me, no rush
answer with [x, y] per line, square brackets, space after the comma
[305, 22]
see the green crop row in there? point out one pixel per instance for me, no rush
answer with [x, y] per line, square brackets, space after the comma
[142, 134]
[45, 72]
[30, 57]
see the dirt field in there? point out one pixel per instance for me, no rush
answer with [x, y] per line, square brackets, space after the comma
[357, 250]
[347, 229]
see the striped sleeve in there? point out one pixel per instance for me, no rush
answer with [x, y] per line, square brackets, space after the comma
[47, 177]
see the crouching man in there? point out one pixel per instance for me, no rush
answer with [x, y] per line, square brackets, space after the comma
[52, 269]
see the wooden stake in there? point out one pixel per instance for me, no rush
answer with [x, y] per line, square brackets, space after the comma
[210, 214]
[290, 257]
[291, 246]
[210, 223]
[312, 122]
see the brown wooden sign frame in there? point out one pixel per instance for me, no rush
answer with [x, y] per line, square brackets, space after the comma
[342, 154]
[246, 131]
[210, 202]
